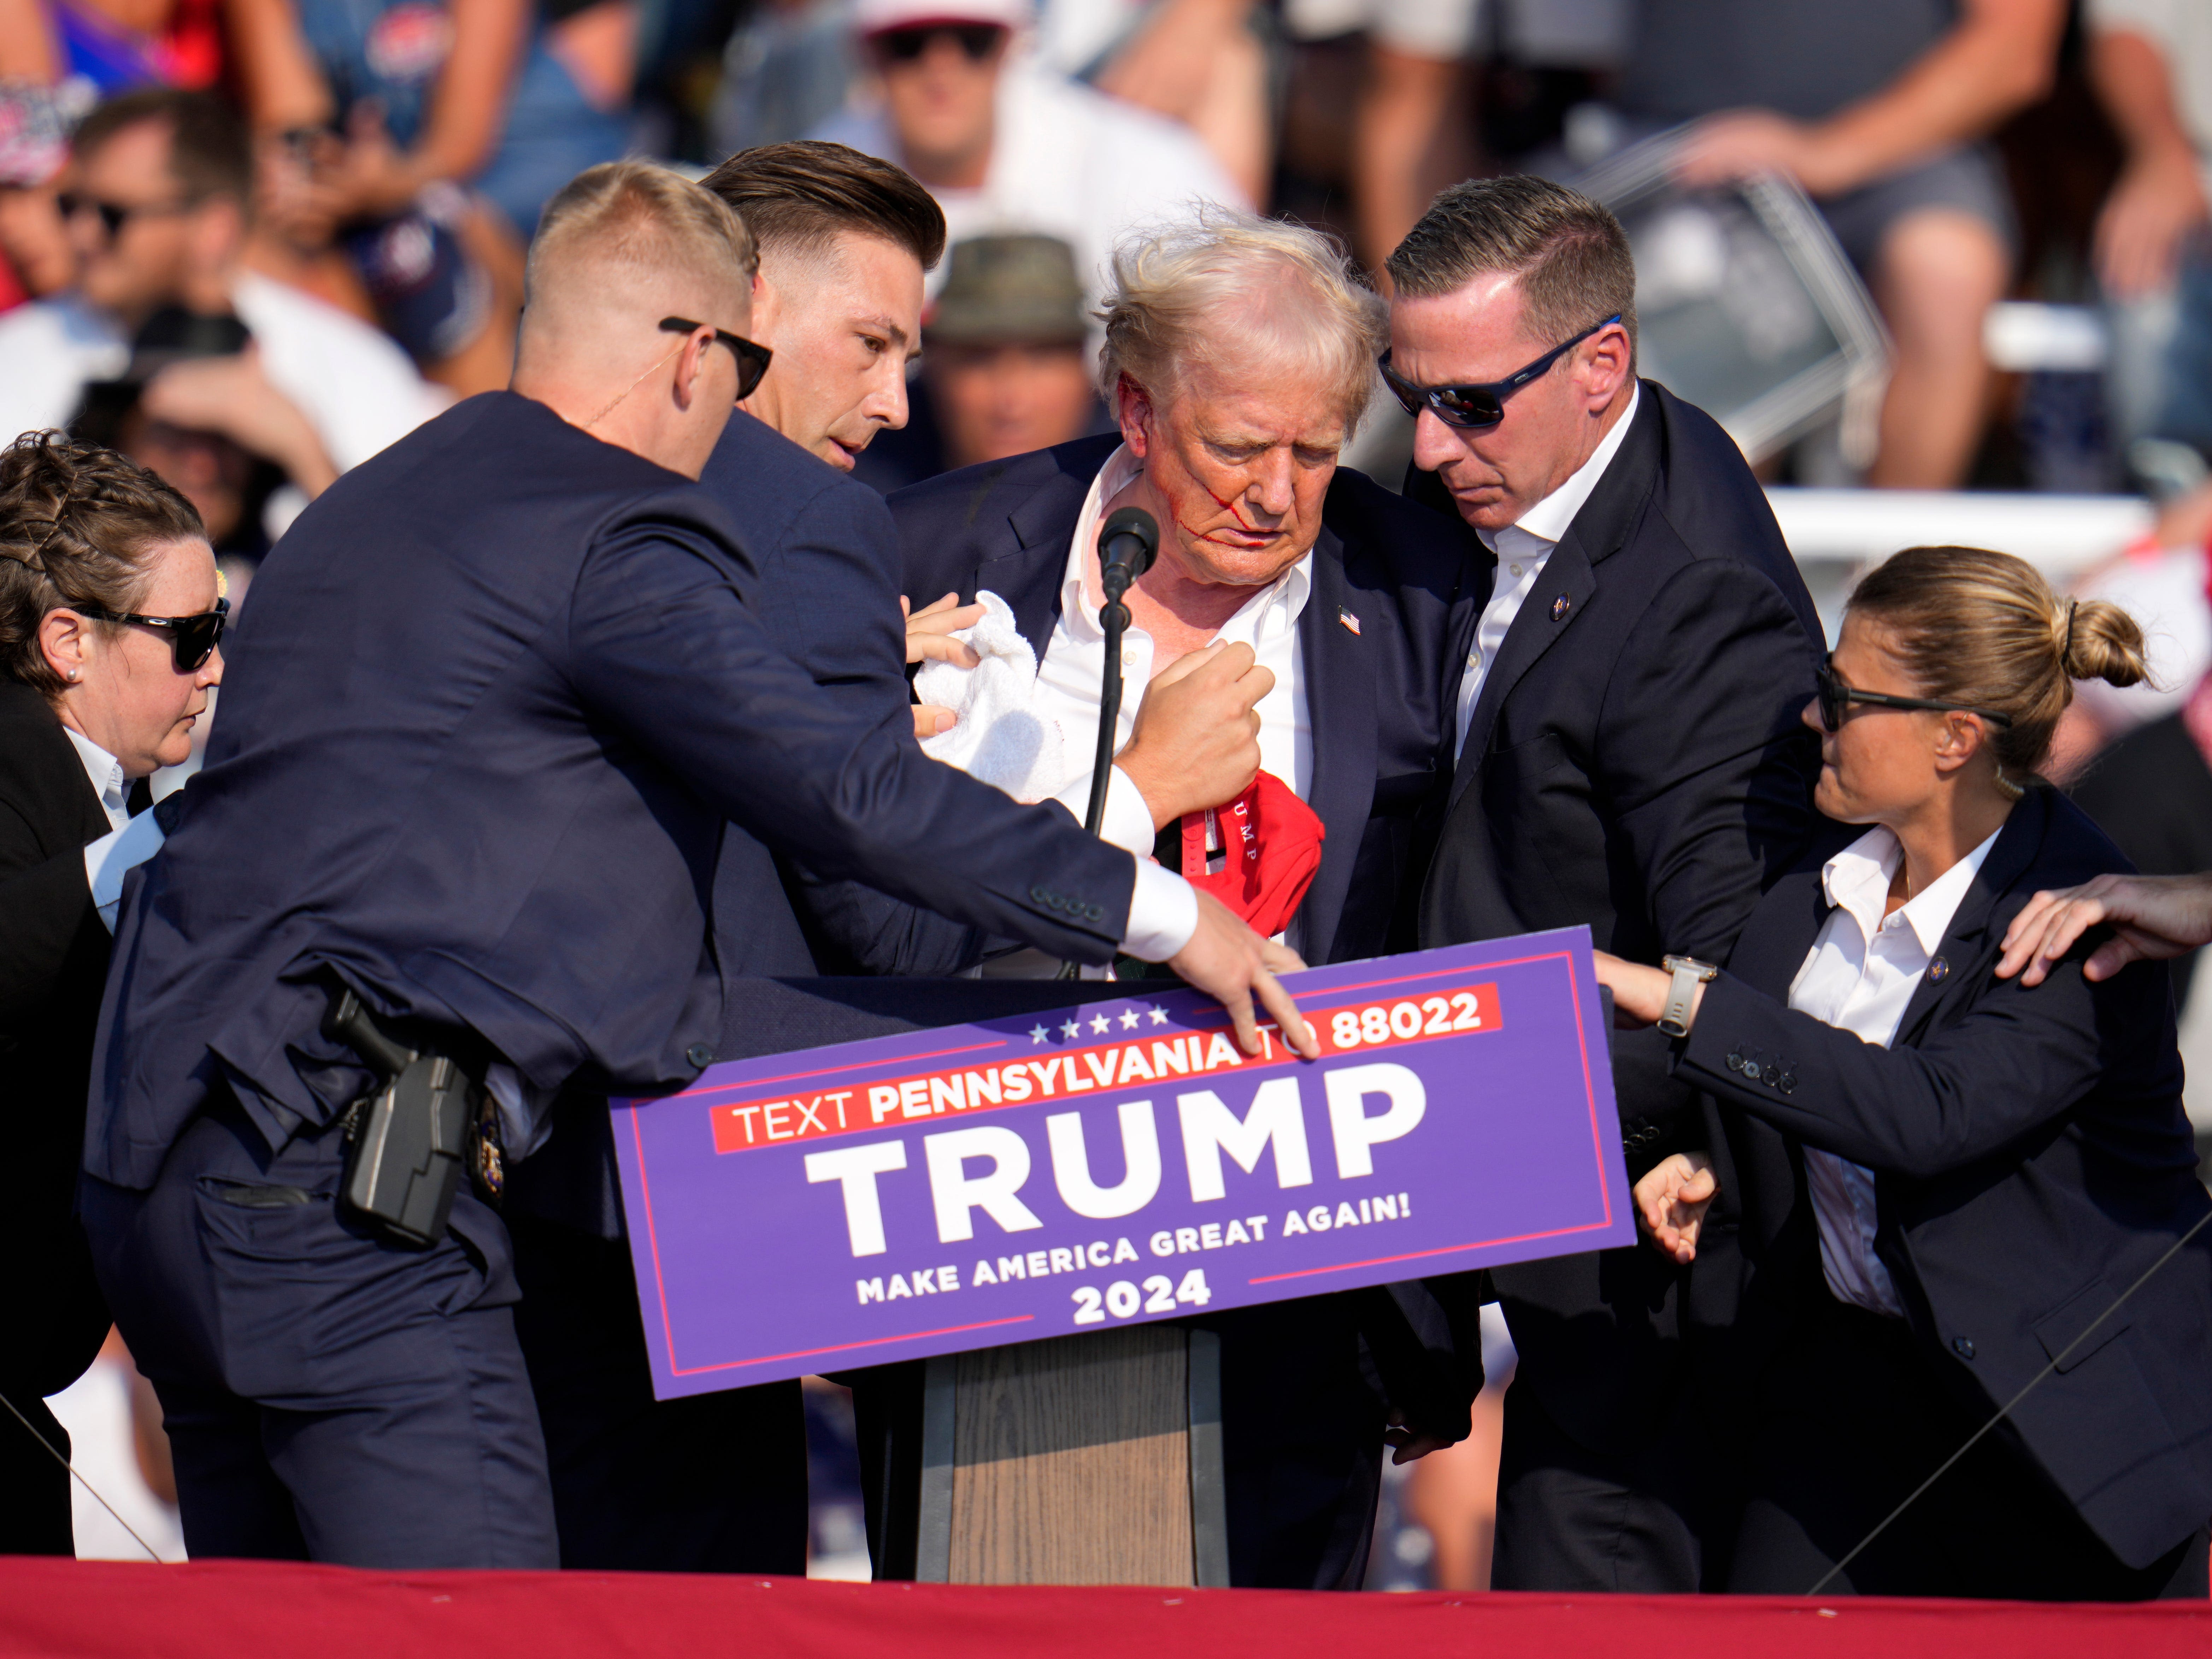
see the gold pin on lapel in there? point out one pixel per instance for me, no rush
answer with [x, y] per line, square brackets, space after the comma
[1560, 609]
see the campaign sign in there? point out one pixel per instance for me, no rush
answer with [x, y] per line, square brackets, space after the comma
[1121, 1161]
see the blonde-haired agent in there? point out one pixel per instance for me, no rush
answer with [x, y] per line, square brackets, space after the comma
[1944, 1177]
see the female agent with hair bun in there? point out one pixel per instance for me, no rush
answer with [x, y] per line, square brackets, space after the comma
[109, 621]
[1943, 1180]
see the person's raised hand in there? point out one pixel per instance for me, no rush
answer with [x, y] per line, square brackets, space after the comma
[2157, 203]
[1235, 966]
[1196, 743]
[1746, 143]
[1671, 1201]
[234, 396]
[2153, 918]
[929, 639]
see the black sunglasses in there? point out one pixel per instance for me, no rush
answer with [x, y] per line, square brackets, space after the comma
[1478, 406]
[978, 40]
[113, 217]
[192, 640]
[753, 358]
[1836, 699]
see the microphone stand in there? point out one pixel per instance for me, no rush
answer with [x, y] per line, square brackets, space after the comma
[1127, 546]
[1114, 619]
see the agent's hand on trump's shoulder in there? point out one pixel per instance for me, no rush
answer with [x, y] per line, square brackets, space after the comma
[1671, 1201]
[2152, 918]
[1196, 743]
[1234, 966]
[929, 639]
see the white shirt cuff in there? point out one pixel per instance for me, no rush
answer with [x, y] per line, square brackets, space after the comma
[1129, 823]
[114, 855]
[1163, 914]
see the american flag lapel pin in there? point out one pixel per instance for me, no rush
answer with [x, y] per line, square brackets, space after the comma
[1350, 621]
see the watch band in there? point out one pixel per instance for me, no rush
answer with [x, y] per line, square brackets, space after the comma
[1681, 992]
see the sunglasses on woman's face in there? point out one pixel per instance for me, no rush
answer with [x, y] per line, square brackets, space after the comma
[192, 640]
[1476, 406]
[753, 358]
[1836, 698]
[977, 41]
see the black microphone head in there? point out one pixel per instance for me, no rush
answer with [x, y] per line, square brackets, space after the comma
[1129, 540]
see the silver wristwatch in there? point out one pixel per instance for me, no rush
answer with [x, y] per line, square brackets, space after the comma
[1689, 973]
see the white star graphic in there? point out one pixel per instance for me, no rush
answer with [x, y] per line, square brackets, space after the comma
[1159, 1016]
[1071, 1029]
[1037, 1034]
[1099, 1021]
[1129, 1019]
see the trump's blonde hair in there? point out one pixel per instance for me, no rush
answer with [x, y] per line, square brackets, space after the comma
[1225, 290]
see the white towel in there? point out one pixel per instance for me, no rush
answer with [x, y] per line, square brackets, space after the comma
[1001, 737]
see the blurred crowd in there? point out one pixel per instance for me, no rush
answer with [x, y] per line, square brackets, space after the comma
[350, 185]
[250, 242]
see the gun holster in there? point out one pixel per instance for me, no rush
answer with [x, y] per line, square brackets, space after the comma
[411, 1139]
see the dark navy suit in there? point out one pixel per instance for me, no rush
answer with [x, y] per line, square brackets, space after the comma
[2031, 1161]
[1301, 1426]
[1635, 763]
[717, 1482]
[495, 699]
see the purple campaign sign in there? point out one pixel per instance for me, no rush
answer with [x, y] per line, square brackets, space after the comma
[1121, 1161]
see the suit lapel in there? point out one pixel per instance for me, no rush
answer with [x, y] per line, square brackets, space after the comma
[1554, 605]
[1773, 946]
[1966, 943]
[1028, 576]
[1563, 591]
[1339, 693]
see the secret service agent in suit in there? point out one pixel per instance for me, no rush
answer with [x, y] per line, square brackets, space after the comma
[89, 709]
[1630, 759]
[717, 1482]
[1951, 1177]
[498, 699]
[1240, 354]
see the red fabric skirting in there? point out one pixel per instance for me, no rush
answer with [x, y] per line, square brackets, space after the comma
[264, 1610]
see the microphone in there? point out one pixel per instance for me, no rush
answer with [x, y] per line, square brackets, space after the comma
[1129, 542]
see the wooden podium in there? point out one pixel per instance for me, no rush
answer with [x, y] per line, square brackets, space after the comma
[1093, 1459]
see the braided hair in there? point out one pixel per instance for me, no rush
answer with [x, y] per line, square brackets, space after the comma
[77, 523]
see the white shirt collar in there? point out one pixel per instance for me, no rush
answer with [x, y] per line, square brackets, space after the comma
[1288, 590]
[104, 771]
[1548, 519]
[1858, 880]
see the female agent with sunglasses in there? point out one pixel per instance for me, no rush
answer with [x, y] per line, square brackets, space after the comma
[109, 623]
[1947, 1180]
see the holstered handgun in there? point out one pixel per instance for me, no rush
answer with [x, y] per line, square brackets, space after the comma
[407, 1139]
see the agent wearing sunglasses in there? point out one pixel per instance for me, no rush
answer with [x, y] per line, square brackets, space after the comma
[1949, 1176]
[502, 697]
[108, 627]
[1629, 759]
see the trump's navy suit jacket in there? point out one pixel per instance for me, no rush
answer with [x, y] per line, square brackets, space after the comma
[493, 701]
[1380, 699]
[2031, 1161]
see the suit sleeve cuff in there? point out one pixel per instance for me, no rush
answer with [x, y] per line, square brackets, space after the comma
[1163, 914]
[1129, 823]
[113, 856]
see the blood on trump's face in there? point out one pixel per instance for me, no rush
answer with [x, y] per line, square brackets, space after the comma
[1241, 465]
